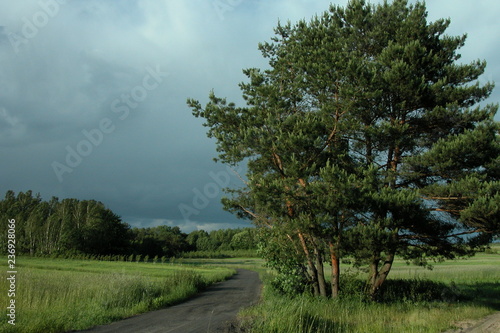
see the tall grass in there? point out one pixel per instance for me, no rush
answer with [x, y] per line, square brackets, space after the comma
[65, 295]
[415, 300]
[307, 314]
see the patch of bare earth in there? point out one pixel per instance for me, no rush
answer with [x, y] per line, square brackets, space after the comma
[489, 324]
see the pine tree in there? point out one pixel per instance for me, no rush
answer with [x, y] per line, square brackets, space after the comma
[363, 137]
[415, 117]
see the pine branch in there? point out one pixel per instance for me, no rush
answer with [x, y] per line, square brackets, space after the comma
[446, 198]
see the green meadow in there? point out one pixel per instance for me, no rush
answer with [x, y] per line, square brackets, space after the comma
[59, 295]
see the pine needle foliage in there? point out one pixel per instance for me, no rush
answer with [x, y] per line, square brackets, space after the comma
[365, 137]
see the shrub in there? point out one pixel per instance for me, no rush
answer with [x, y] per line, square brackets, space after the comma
[290, 281]
[418, 290]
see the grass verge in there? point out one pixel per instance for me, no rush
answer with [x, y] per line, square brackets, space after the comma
[55, 295]
[415, 300]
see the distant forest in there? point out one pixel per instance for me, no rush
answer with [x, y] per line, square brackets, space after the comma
[72, 227]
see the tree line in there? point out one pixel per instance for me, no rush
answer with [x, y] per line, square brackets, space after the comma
[364, 138]
[70, 226]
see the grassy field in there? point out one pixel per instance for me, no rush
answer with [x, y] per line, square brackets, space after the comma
[58, 295]
[416, 300]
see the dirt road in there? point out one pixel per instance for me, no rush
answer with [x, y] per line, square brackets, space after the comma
[490, 324]
[209, 311]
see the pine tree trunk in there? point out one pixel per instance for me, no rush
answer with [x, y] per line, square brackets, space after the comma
[378, 277]
[313, 273]
[373, 274]
[335, 271]
[321, 273]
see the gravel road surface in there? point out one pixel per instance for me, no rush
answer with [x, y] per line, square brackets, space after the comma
[209, 311]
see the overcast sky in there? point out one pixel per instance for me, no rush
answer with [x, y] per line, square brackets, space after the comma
[93, 95]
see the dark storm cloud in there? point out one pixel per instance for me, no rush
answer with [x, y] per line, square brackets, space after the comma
[78, 78]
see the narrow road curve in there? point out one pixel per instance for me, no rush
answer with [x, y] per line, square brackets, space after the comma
[209, 311]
